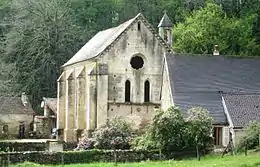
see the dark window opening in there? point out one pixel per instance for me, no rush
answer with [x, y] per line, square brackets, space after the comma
[217, 134]
[31, 126]
[139, 26]
[137, 62]
[165, 35]
[127, 91]
[146, 91]
[5, 128]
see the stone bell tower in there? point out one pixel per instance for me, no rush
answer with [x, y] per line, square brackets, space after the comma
[165, 28]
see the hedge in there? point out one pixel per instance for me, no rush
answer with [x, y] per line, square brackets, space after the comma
[89, 156]
[22, 146]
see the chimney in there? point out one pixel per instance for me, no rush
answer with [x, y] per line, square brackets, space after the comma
[216, 50]
[24, 99]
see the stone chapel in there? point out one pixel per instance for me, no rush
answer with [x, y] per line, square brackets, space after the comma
[130, 71]
[119, 72]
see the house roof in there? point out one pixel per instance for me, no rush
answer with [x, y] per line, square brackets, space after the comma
[51, 103]
[242, 108]
[14, 105]
[104, 39]
[197, 80]
[165, 21]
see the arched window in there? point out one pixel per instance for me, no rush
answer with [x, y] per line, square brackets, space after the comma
[5, 128]
[139, 26]
[127, 91]
[146, 91]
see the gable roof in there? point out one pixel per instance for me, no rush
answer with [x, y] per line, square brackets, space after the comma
[197, 80]
[51, 103]
[14, 105]
[242, 108]
[104, 39]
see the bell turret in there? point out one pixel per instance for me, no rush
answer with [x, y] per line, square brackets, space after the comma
[165, 28]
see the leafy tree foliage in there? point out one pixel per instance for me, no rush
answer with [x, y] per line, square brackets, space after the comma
[210, 26]
[115, 134]
[200, 127]
[171, 131]
[252, 138]
[42, 38]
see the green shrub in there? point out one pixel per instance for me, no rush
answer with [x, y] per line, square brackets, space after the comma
[115, 134]
[252, 138]
[171, 132]
[76, 157]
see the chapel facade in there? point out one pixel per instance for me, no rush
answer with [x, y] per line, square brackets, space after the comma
[118, 73]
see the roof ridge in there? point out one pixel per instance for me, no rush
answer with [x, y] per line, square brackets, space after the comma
[211, 55]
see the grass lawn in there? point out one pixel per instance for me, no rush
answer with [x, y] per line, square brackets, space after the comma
[252, 160]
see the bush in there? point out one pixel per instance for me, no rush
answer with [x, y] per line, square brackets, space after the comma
[115, 134]
[76, 157]
[252, 137]
[199, 126]
[170, 132]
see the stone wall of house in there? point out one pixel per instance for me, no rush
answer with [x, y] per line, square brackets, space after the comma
[43, 127]
[238, 135]
[13, 121]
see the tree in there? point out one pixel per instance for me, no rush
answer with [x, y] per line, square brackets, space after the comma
[210, 26]
[200, 127]
[115, 134]
[42, 38]
[252, 137]
[168, 130]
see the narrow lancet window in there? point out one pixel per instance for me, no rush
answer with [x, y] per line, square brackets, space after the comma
[127, 91]
[146, 91]
[139, 26]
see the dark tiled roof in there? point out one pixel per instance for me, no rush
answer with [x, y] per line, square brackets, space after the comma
[51, 103]
[165, 21]
[197, 80]
[243, 108]
[14, 105]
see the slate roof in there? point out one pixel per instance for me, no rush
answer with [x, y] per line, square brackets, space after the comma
[165, 21]
[14, 105]
[197, 80]
[51, 103]
[242, 108]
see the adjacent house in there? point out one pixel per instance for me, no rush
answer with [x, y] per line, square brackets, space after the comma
[227, 87]
[16, 117]
[131, 70]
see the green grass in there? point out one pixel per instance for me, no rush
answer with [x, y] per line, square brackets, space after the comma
[208, 161]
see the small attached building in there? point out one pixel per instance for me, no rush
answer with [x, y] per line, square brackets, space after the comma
[228, 87]
[45, 125]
